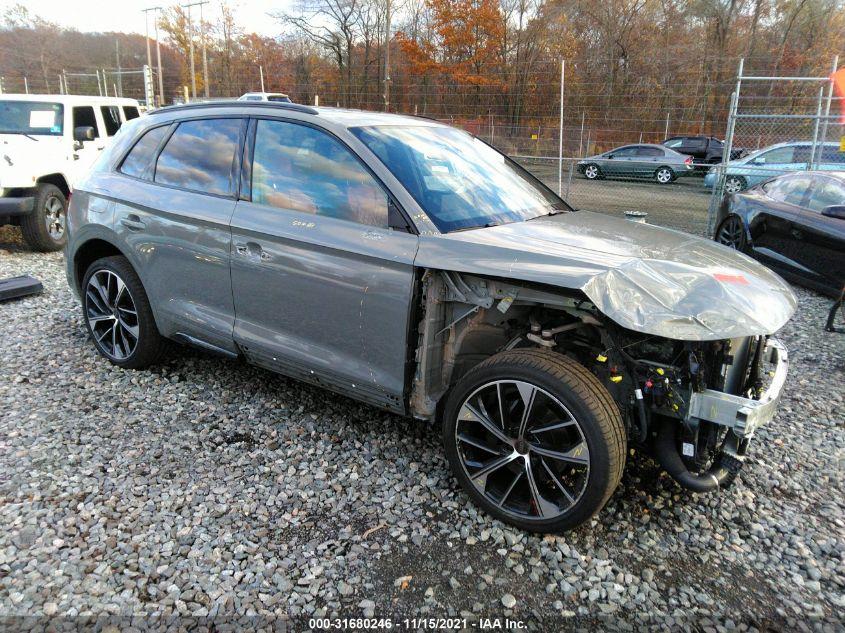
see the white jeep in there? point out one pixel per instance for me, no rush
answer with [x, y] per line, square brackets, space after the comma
[46, 143]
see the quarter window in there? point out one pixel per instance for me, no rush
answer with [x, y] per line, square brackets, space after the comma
[111, 118]
[826, 193]
[298, 168]
[200, 156]
[83, 116]
[130, 112]
[137, 161]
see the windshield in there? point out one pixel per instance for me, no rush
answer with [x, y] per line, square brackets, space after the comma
[458, 180]
[31, 117]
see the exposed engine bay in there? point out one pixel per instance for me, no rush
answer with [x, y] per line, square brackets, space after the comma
[694, 405]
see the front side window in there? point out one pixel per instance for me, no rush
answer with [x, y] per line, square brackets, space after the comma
[84, 117]
[826, 192]
[624, 152]
[778, 156]
[137, 161]
[458, 180]
[299, 168]
[200, 156]
[675, 142]
[32, 118]
[111, 118]
[833, 155]
[130, 112]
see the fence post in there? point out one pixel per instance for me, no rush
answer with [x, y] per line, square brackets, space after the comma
[666, 132]
[829, 99]
[25, 85]
[581, 138]
[560, 133]
[719, 184]
[815, 145]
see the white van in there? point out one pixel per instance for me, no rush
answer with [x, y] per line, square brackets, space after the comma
[46, 143]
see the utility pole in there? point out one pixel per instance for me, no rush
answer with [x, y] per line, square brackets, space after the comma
[147, 38]
[119, 74]
[158, 56]
[191, 38]
[387, 60]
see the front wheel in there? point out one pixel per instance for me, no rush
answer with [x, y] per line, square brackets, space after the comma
[44, 228]
[664, 175]
[734, 184]
[534, 439]
[731, 232]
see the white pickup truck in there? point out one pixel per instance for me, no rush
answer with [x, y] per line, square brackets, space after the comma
[46, 143]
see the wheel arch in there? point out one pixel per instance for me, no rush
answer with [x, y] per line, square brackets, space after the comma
[57, 179]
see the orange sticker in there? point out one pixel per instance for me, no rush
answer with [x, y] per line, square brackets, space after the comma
[731, 279]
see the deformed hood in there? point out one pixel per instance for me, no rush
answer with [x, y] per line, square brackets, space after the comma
[645, 278]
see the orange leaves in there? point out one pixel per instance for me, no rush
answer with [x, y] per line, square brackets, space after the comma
[465, 44]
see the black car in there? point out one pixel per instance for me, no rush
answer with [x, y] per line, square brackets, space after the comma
[795, 224]
[703, 149]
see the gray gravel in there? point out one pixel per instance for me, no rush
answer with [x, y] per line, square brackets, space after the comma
[211, 487]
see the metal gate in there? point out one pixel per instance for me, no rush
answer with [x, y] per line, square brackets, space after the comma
[776, 125]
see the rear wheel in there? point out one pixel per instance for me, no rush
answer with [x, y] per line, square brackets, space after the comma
[118, 316]
[45, 228]
[534, 439]
[664, 175]
[592, 172]
[731, 232]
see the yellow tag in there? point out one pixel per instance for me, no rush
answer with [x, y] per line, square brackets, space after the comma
[601, 358]
[533, 137]
[842, 144]
[616, 379]
[660, 371]
[675, 407]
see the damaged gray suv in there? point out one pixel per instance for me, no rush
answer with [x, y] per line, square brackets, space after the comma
[411, 266]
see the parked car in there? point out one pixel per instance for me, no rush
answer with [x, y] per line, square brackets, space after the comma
[794, 224]
[637, 161]
[775, 160]
[411, 266]
[280, 97]
[47, 143]
[703, 149]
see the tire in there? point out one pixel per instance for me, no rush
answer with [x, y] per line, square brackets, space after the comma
[731, 232]
[571, 415]
[664, 175]
[118, 316]
[592, 171]
[735, 184]
[45, 229]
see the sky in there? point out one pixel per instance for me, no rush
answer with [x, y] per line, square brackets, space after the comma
[126, 15]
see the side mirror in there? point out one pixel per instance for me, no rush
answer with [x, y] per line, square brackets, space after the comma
[835, 211]
[609, 156]
[84, 133]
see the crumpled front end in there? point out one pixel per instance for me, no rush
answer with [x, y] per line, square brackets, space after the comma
[694, 295]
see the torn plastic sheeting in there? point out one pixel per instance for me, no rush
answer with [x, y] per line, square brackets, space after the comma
[679, 301]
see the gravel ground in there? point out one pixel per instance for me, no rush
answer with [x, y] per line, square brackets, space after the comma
[208, 486]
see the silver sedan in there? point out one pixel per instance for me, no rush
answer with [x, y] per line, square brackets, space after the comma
[656, 162]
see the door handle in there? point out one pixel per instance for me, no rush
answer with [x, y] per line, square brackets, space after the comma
[133, 223]
[251, 249]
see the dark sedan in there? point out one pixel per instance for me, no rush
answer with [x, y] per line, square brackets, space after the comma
[795, 224]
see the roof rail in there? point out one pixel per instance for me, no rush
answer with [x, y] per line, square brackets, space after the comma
[296, 107]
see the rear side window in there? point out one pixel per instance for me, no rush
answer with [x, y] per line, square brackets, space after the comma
[137, 161]
[790, 190]
[83, 116]
[130, 112]
[200, 156]
[111, 119]
[674, 142]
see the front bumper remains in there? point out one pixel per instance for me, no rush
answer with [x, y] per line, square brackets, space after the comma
[744, 415]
